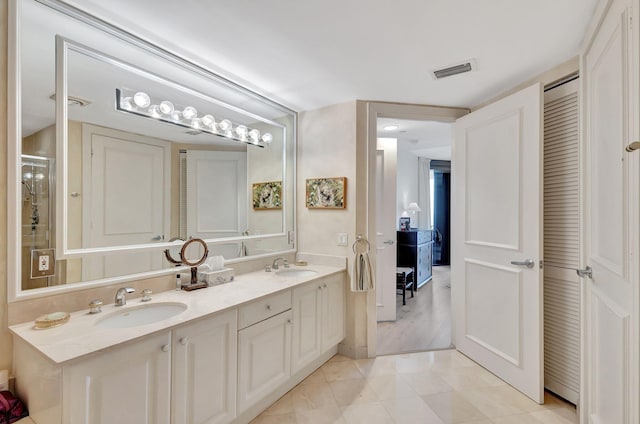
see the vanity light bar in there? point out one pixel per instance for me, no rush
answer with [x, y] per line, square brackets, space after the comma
[140, 103]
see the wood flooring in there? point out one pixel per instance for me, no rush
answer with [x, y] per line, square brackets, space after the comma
[424, 323]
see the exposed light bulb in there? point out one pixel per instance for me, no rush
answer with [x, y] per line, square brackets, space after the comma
[27, 175]
[242, 131]
[39, 176]
[254, 136]
[141, 99]
[208, 121]
[176, 115]
[166, 107]
[225, 124]
[267, 138]
[189, 112]
[196, 123]
[125, 103]
[154, 111]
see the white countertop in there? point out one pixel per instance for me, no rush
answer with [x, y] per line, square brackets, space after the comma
[80, 336]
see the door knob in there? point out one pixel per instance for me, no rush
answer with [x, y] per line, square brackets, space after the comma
[587, 272]
[388, 242]
[527, 262]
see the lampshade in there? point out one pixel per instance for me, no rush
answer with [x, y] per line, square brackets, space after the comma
[413, 207]
[404, 214]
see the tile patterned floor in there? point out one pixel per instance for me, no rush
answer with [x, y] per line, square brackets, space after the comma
[442, 387]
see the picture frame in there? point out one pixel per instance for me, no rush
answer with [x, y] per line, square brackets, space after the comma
[267, 195]
[326, 193]
[405, 223]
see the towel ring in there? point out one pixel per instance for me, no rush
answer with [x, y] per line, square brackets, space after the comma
[361, 240]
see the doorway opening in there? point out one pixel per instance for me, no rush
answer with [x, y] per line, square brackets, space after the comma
[414, 297]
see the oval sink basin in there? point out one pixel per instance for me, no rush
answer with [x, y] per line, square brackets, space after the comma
[296, 273]
[141, 315]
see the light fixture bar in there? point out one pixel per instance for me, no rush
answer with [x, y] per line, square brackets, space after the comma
[141, 104]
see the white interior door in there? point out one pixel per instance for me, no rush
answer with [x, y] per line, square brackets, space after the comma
[611, 226]
[212, 176]
[386, 158]
[496, 212]
[126, 199]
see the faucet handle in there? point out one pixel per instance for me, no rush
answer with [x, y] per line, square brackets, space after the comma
[146, 295]
[95, 306]
[267, 268]
[285, 263]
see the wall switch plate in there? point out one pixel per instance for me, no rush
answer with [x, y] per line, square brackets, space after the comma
[43, 263]
[343, 239]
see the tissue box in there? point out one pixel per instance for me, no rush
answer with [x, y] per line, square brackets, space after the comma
[213, 278]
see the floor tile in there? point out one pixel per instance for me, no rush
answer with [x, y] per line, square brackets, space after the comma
[275, 419]
[382, 365]
[341, 370]
[492, 401]
[427, 383]
[517, 419]
[284, 405]
[464, 378]
[391, 387]
[411, 410]
[366, 413]
[453, 408]
[316, 377]
[348, 392]
[320, 416]
[556, 416]
[312, 396]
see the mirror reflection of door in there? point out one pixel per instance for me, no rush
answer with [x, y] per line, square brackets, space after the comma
[126, 193]
[217, 195]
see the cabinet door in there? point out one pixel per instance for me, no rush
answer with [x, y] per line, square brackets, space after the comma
[125, 385]
[333, 310]
[204, 371]
[306, 310]
[264, 358]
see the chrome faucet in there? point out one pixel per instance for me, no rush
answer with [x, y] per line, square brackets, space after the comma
[274, 265]
[120, 295]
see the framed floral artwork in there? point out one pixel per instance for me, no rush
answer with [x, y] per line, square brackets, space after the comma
[267, 195]
[327, 193]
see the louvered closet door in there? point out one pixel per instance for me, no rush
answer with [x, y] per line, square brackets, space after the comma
[562, 242]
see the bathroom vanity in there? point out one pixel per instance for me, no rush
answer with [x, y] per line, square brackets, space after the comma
[234, 350]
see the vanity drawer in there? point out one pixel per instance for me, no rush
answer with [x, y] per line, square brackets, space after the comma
[264, 308]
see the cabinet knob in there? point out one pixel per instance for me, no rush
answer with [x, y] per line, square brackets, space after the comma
[289, 321]
[183, 341]
[319, 287]
[268, 307]
[324, 286]
[165, 348]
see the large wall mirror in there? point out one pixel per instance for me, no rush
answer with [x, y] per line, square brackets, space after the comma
[123, 150]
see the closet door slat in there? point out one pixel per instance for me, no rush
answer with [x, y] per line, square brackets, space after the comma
[562, 246]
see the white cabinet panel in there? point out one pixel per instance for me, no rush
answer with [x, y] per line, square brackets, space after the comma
[264, 358]
[333, 310]
[307, 312]
[205, 371]
[126, 385]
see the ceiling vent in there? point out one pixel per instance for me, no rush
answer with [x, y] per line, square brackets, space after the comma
[449, 71]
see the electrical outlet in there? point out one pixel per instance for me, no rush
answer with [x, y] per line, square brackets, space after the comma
[43, 263]
[343, 239]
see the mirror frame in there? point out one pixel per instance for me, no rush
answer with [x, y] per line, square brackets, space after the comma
[14, 150]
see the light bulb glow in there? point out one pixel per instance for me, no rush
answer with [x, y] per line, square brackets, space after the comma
[242, 131]
[176, 115]
[208, 121]
[254, 136]
[196, 123]
[189, 112]
[141, 99]
[154, 111]
[267, 138]
[125, 103]
[166, 107]
[225, 125]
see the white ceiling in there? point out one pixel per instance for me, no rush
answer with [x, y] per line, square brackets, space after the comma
[308, 54]
[427, 139]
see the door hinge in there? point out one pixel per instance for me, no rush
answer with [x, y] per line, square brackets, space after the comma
[541, 264]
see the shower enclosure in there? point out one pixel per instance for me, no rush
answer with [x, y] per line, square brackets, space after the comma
[38, 214]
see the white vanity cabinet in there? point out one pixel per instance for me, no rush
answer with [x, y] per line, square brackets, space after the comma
[204, 364]
[129, 384]
[186, 376]
[264, 348]
[318, 319]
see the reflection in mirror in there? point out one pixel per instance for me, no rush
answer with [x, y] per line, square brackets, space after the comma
[128, 183]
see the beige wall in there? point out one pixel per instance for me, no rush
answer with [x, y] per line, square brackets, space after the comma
[5, 338]
[327, 148]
